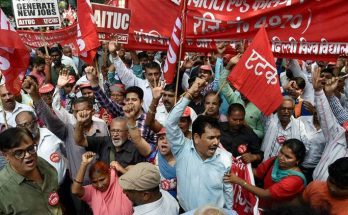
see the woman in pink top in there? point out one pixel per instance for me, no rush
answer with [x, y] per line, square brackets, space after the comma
[104, 195]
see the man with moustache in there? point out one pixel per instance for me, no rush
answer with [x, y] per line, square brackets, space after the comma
[238, 138]
[28, 183]
[116, 147]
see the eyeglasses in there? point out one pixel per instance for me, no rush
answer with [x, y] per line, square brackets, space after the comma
[114, 131]
[20, 154]
[26, 124]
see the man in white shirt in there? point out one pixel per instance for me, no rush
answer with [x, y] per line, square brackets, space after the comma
[141, 185]
[126, 75]
[11, 107]
[49, 145]
[282, 126]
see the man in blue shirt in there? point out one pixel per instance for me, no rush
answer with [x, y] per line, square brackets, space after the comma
[200, 163]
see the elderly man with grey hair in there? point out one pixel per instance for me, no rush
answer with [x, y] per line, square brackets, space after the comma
[281, 126]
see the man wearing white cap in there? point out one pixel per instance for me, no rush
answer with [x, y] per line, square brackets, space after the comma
[141, 185]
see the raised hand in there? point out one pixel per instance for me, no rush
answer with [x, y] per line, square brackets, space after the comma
[87, 157]
[330, 86]
[129, 111]
[83, 116]
[233, 61]
[157, 92]
[197, 86]
[317, 81]
[92, 76]
[31, 88]
[63, 78]
[113, 48]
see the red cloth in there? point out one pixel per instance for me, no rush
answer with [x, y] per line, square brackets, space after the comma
[14, 56]
[256, 77]
[282, 191]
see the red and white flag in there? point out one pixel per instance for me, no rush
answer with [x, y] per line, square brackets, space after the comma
[174, 46]
[14, 56]
[87, 36]
[255, 75]
[244, 202]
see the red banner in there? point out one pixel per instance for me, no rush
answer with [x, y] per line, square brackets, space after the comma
[112, 22]
[14, 56]
[256, 77]
[244, 202]
[297, 28]
[87, 36]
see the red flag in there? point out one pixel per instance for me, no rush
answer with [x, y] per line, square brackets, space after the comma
[174, 46]
[14, 56]
[87, 36]
[244, 202]
[255, 75]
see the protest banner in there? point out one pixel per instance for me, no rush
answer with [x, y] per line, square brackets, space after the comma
[31, 13]
[112, 22]
[292, 25]
[256, 77]
[244, 202]
[14, 56]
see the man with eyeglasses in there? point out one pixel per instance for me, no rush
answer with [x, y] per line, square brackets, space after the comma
[116, 147]
[28, 183]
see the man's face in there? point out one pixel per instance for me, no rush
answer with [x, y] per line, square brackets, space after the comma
[285, 111]
[212, 105]
[151, 55]
[335, 190]
[119, 132]
[68, 88]
[56, 58]
[208, 142]
[88, 93]
[153, 76]
[25, 120]
[184, 124]
[143, 61]
[117, 97]
[27, 150]
[67, 51]
[137, 197]
[81, 107]
[133, 99]
[204, 74]
[47, 97]
[163, 146]
[236, 120]
[7, 99]
[295, 91]
[168, 99]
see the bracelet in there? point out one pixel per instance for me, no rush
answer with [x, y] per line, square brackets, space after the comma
[191, 97]
[79, 182]
[131, 127]
[244, 184]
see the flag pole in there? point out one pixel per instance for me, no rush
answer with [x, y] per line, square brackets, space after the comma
[182, 34]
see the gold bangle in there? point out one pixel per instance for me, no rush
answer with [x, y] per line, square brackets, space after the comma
[79, 182]
[191, 97]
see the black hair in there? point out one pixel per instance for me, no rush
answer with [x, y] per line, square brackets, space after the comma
[192, 80]
[56, 49]
[152, 65]
[142, 55]
[297, 147]
[136, 90]
[338, 172]
[38, 61]
[328, 70]
[214, 94]
[43, 50]
[12, 138]
[300, 82]
[82, 100]
[170, 87]
[202, 121]
[235, 107]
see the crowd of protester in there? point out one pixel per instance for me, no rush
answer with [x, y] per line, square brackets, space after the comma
[113, 138]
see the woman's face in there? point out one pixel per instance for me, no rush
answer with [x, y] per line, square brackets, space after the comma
[163, 146]
[100, 181]
[287, 158]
